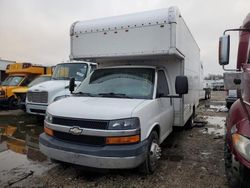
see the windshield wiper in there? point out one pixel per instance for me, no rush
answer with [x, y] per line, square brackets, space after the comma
[85, 94]
[115, 95]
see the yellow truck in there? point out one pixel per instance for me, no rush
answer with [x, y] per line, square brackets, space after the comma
[19, 76]
[22, 91]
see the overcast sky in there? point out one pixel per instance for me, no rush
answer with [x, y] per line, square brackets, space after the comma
[37, 31]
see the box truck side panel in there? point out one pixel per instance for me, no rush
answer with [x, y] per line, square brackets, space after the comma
[188, 46]
[153, 39]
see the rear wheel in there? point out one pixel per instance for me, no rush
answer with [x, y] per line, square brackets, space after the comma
[153, 154]
[190, 121]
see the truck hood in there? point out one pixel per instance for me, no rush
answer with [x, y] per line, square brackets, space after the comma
[94, 107]
[50, 85]
[20, 90]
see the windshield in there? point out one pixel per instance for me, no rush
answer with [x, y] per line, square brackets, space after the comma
[119, 83]
[39, 80]
[12, 81]
[70, 70]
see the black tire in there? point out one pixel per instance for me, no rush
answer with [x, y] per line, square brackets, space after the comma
[234, 179]
[228, 166]
[228, 105]
[244, 177]
[151, 162]
[190, 122]
[12, 103]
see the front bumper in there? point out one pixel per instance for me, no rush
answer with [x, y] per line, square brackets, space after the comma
[36, 109]
[106, 157]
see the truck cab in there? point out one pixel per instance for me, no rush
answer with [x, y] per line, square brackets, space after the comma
[41, 95]
[147, 81]
[237, 139]
[117, 116]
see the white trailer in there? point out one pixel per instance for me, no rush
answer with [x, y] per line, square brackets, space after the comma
[134, 92]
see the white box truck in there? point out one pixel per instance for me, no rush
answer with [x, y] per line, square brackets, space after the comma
[43, 94]
[120, 114]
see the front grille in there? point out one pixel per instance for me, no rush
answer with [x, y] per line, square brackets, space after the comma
[80, 139]
[91, 124]
[37, 97]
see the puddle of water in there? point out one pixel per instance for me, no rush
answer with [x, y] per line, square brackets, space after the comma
[216, 125]
[14, 165]
[19, 148]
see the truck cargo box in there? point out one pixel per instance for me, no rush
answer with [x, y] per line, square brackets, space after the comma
[159, 32]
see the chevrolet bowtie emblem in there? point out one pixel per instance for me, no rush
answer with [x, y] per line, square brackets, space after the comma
[75, 130]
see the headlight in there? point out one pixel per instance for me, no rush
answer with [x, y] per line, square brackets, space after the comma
[48, 117]
[242, 145]
[124, 124]
[60, 97]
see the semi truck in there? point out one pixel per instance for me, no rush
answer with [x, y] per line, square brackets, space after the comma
[147, 82]
[19, 76]
[41, 95]
[237, 139]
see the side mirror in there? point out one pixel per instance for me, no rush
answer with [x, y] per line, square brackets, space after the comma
[181, 85]
[224, 49]
[72, 85]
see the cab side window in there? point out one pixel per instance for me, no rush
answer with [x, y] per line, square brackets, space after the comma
[162, 84]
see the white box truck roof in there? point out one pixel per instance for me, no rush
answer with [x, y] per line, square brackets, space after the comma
[157, 32]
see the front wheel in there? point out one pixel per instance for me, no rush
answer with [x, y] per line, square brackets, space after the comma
[12, 103]
[244, 177]
[153, 154]
[228, 105]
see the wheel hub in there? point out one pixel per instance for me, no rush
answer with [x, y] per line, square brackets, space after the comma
[155, 153]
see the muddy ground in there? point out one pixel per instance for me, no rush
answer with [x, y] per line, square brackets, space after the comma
[190, 158]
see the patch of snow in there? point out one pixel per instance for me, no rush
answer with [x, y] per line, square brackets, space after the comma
[219, 108]
[215, 126]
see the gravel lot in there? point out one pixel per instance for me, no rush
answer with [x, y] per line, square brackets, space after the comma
[190, 158]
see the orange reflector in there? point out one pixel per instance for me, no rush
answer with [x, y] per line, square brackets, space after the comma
[236, 138]
[48, 131]
[123, 140]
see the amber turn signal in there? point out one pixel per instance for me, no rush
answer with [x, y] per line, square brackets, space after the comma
[236, 138]
[123, 140]
[48, 131]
